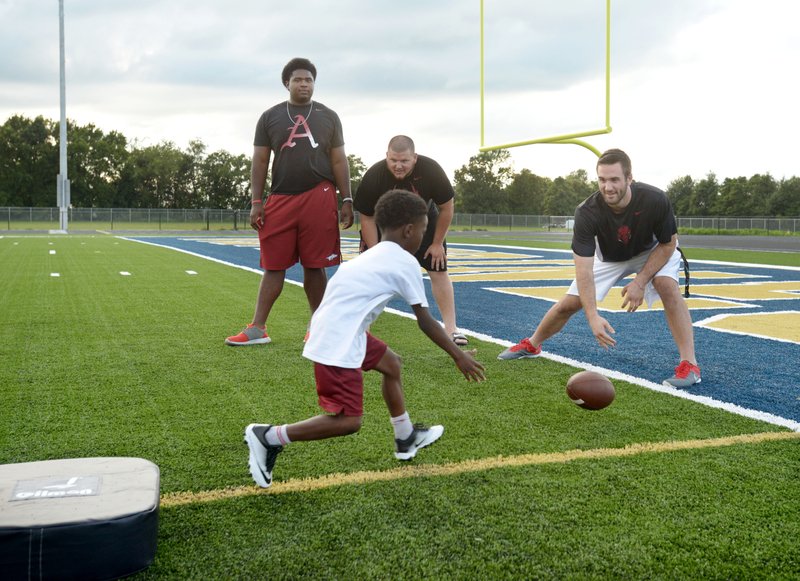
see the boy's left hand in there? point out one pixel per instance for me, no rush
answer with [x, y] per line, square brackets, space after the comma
[471, 368]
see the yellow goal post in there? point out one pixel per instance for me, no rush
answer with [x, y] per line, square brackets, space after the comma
[571, 138]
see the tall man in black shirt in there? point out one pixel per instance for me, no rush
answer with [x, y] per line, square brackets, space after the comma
[298, 220]
[624, 228]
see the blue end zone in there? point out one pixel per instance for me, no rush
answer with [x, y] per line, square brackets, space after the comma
[751, 372]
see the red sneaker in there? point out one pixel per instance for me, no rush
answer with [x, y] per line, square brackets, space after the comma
[522, 350]
[686, 375]
[251, 335]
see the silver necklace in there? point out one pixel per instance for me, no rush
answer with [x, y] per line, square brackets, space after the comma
[310, 107]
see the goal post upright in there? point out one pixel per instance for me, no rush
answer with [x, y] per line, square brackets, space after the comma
[569, 138]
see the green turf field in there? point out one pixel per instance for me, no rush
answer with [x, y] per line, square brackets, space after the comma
[523, 484]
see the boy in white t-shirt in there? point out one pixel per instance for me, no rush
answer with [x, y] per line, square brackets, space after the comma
[341, 347]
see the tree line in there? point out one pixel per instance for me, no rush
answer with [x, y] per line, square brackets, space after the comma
[488, 185]
[106, 170]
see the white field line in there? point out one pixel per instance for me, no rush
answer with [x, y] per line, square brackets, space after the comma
[702, 399]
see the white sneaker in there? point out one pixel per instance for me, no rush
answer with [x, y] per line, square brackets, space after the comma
[262, 455]
[421, 436]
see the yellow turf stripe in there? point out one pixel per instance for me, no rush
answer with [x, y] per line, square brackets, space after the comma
[451, 469]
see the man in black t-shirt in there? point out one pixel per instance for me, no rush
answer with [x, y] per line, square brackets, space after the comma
[624, 228]
[403, 169]
[299, 219]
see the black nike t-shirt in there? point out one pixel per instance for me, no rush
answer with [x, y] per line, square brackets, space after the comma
[427, 179]
[647, 220]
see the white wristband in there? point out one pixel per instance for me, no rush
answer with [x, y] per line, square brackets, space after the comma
[347, 200]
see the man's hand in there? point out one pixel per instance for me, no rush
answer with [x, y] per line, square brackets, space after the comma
[633, 295]
[438, 256]
[602, 331]
[346, 215]
[257, 216]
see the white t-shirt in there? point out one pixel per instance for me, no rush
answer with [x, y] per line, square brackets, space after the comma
[355, 296]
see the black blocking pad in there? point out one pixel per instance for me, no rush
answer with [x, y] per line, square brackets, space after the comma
[80, 518]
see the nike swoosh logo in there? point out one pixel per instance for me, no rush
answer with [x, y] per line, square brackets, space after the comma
[69, 484]
[325, 189]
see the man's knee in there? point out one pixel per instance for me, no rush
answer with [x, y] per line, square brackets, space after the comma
[437, 276]
[568, 305]
[667, 288]
[352, 424]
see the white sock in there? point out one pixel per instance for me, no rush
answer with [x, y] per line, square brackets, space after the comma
[402, 426]
[277, 436]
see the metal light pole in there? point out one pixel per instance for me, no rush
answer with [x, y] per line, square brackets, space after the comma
[62, 183]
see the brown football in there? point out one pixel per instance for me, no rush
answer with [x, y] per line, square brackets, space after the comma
[590, 390]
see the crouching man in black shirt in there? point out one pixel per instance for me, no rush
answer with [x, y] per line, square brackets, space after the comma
[624, 228]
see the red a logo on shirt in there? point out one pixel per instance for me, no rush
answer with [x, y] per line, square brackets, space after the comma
[299, 121]
[623, 235]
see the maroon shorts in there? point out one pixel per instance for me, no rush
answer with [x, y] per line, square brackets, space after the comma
[302, 227]
[341, 390]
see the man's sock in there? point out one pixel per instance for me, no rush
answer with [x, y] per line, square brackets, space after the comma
[402, 426]
[277, 436]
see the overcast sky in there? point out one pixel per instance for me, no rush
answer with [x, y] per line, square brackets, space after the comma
[697, 86]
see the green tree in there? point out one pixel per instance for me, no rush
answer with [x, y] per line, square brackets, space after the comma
[94, 163]
[526, 193]
[481, 183]
[680, 192]
[357, 170]
[105, 171]
[785, 201]
[762, 188]
[28, 162]
[225, 180]
[194, 193]
[744, 197]
[565, 193]
[156, 177]
[704, 196]
[732, 194]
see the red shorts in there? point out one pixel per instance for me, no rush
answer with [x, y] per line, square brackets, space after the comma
[302, 227]
[341, 390]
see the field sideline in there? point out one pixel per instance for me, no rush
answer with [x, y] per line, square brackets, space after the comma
[746, 316]
[522, 485]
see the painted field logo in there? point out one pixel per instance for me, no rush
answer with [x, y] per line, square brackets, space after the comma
[56, 488]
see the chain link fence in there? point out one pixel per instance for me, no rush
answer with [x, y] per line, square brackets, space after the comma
[723, 224]
[125, 219]
[156, 219]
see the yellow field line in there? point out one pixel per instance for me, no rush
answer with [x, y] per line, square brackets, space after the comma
[454, 468]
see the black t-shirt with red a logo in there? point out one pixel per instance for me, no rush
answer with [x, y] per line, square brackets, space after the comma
[647, 220]
[301, 138]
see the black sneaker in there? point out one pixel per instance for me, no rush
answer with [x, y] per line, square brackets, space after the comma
[421, 436]
[262, 455]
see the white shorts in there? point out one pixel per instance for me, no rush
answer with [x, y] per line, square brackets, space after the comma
[607, 274]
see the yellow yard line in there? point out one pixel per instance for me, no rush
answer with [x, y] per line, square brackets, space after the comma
[455, 468]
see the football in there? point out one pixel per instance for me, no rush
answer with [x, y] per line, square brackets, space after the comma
[590, 390]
